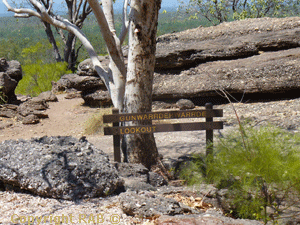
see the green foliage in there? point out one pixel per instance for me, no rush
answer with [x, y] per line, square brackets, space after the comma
[3, 98]
[35, 53]
[38, 77]
[218, 11]
[259, 170]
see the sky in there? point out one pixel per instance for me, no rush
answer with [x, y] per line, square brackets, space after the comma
[165, 4]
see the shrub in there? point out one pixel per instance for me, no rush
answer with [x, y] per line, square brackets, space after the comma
[259, 170]
[38, 77]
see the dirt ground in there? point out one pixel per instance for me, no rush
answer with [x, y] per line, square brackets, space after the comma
[67, 117]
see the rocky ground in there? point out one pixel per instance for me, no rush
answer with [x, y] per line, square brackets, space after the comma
[68, 117]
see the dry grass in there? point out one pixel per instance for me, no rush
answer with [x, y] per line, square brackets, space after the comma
[95, 125]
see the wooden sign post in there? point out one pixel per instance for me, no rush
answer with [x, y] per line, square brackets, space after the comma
[208, 125]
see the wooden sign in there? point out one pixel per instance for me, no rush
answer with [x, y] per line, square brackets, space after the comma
[146, 129]
[162, 115]
[117, 130]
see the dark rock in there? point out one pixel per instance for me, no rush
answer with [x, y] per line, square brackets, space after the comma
[156, 105]
[146, 204]
[14, 70]
[7, 85]
[137, 177]
[9, 111]
[132, 169]
[157, 180]
[48, 96]
[3, 65]
[80, 83]
[185, 104]
[99, 98]
[265, 73]
[30, 119]
[33, 106]
[86, 68]
[10, 75]
[58, 167]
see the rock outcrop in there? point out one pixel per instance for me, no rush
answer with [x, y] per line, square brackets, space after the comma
[252, 56]
[242, 57]
[30, 110]
[10, 75]
[87, 82]
[57, 167]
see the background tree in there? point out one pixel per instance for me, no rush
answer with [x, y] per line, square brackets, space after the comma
[77, 12]
[130, 88]
[218, 11]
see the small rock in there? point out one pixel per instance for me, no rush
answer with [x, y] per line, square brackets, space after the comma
[141, 205]
[7, 110]
[31, 106]
[30, 119]
[99, 98]
[185, 104]
[48, 96]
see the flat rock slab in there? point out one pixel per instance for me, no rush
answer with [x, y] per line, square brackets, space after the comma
[225, 41]
[269, 72]
[249, 56]
[57, 167]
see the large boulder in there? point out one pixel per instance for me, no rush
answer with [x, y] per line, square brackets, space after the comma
[249, 56]
[10, 75]
[86, 68]
[57, 167]
[89, 85]
[80, 83]
[99, 98]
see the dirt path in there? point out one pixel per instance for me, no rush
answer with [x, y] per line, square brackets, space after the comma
[68, 117]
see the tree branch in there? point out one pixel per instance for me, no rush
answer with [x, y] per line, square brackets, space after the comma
[125, 24]
[22, 11]
[112, 43]
[66, 25]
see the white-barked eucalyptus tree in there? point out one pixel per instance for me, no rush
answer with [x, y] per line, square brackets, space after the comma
[130, 86]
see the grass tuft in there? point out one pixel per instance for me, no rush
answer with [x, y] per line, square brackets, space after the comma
[95, 125]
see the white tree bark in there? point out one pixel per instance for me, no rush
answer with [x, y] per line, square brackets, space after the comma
[131, 88]
[141, 62]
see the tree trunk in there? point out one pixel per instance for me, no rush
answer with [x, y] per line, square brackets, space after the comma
[69, 52]
[141, 148]
[52, 41]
